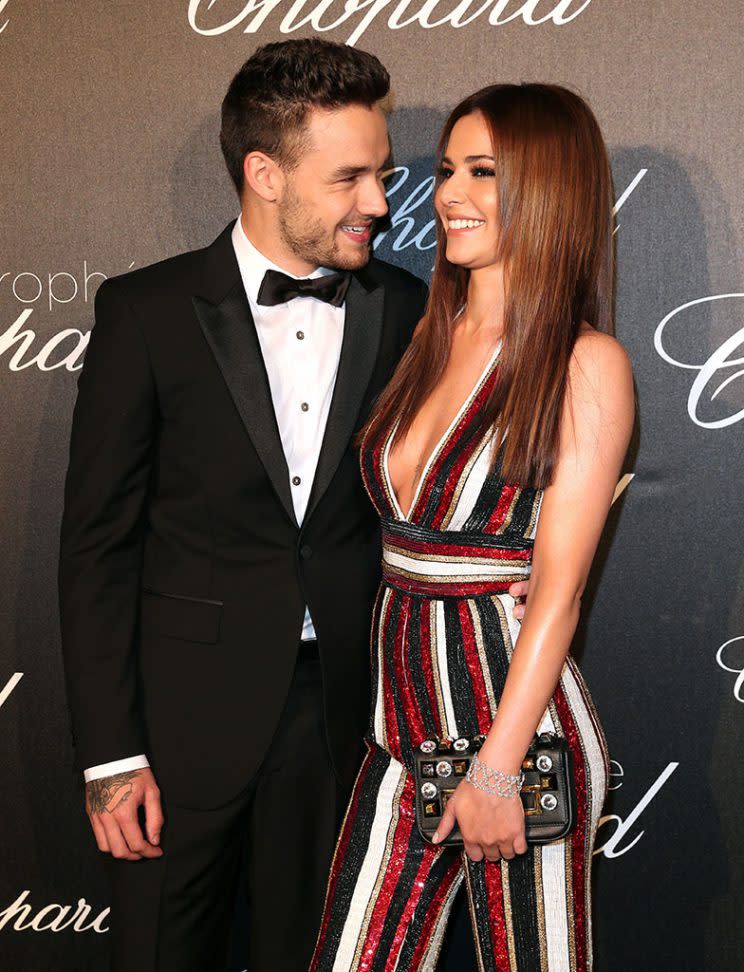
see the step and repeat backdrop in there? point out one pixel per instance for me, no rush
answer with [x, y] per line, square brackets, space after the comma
[110, 160]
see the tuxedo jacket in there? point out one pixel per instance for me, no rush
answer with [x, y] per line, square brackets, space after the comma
[184, 574]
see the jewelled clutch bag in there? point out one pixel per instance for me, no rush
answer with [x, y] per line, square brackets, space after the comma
[548, 791]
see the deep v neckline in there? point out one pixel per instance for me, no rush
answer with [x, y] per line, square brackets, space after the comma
[436, 451]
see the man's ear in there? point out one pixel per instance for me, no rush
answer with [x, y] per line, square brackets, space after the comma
[263, 176]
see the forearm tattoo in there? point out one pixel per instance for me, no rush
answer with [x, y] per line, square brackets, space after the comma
[108, 793]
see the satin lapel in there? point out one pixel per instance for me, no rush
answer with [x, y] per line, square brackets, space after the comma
[362, 332]
[231, 334]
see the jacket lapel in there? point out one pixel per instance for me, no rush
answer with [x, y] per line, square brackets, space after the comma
[362, 332]
[224, 315]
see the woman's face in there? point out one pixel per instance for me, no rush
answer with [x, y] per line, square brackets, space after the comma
[466, 199]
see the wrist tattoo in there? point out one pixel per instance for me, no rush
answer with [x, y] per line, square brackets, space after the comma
[108, 793]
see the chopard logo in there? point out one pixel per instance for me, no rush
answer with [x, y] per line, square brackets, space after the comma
[19, 915]
[723, 658]
[720, 370]
[613, 845]
[324, 15]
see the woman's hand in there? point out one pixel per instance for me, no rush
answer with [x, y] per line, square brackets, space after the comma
[491, 826]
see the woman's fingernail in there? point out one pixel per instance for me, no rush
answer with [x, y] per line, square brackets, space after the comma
[436, 838]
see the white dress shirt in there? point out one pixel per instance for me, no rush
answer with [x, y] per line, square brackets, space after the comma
[301, 347]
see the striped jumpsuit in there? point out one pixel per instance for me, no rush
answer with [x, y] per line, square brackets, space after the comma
[442, 636]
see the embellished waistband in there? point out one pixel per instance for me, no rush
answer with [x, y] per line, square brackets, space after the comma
[442, 563]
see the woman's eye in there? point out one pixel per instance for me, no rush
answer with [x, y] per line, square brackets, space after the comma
[481, 172]
[443, 172]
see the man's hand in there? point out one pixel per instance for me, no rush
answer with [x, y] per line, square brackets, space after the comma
[112, 804]
[519, 591]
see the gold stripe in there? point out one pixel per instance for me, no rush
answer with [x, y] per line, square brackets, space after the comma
[571, 914]
[485, 668]
[394, 818]
[508, 917]
[473, 920]
[455, 578]
[542, 935]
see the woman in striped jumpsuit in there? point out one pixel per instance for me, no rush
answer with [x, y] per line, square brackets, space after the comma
[458, 529]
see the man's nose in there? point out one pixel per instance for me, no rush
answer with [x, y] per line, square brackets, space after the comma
[372, 200]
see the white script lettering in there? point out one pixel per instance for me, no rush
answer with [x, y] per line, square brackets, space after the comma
[3, 5]
[52, 917]
[255, 13]
[9, 687]
[719, 361]
[611, 847]
[15, 337]
[739, 672]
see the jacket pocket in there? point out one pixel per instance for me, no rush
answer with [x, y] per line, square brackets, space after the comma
[179, 616]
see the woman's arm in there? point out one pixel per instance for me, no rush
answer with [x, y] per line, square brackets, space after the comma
[595, 432]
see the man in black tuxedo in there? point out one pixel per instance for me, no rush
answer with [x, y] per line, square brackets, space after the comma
[219, 555]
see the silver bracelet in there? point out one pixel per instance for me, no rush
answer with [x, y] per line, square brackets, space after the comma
[493, 781]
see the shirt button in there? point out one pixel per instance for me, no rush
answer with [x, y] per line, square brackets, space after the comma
[300, 335]
[296, 480]
[306, 552]
[304, 406]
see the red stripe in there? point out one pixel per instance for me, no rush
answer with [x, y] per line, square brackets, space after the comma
[428, 926]
[387, 680]
[438, 546]
[415, 723]
[340, 854]
[453, 479]
[578, 839]
[502, 508]
[472, 660]
[496, 916]
[448, 588]
[399, 852]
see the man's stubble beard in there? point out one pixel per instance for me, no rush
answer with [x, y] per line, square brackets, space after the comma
[305, 235]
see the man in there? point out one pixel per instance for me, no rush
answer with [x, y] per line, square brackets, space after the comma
[219, 556]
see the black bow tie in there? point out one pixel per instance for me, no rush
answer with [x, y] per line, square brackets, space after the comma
[278, 288]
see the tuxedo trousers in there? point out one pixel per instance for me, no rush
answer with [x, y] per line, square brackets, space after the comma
[175, 913]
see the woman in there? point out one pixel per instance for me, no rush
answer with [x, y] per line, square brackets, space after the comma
[515, 338]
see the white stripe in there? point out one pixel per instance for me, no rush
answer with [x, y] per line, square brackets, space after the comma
[379, 709]
[472, 488]
[451, 568]
[555, 906]
[449, 711]
[9, 686]
[381, 824]
[588, 735]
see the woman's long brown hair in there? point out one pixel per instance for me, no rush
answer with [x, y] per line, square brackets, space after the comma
[556, 241]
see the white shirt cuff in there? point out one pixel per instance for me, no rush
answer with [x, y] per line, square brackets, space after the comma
[116, 766]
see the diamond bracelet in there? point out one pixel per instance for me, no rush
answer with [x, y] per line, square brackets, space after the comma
[493, 781]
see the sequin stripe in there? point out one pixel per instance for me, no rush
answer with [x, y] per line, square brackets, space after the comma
[374, 652]
[425, 656]
[486, 903]
[390, 950]
[520, 874]
[370, 460]
[429, 912]
[387, 678]
[525, 512]
[468, 486]
[440, 485]
[407, 715]
[502, 509]
[453, 476]
[578, 841]
[456, 587]
[440, 548]
[456, 439]
[349, 857]
[383, 902]
[461, 689]
[473, 662]
[494, 644]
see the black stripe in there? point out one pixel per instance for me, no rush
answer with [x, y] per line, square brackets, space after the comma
[493, 644]
[523, 894]
[436, 876]
[416, 666]
[461, 686]
[522, 516]
[401, 894]
[488, 500]
[404, 735]
[351, 864]
[481, 913]
[374, 475]
[373, 659]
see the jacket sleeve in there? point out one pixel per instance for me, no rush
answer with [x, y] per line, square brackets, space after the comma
[111, 453]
